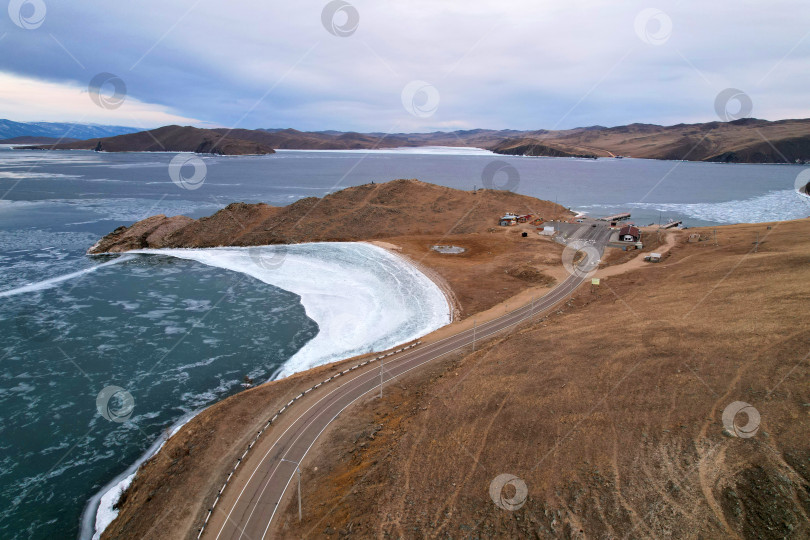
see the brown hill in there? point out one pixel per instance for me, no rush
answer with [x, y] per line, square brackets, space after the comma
[170, 139]
[741, 141]
[371, 211]
[534, 148]
[610, 410]
[336, 140]
[300, 140]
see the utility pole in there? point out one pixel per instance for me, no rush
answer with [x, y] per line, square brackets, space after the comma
[473, 335]
[382, 361]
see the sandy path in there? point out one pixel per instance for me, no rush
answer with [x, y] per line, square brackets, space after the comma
[638, 262]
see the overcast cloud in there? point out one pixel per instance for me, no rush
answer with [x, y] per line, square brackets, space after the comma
[526, 64]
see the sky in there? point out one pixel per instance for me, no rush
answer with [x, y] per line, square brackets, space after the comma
[402, 66]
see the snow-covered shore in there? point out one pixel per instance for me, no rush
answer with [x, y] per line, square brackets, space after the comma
[362, 297]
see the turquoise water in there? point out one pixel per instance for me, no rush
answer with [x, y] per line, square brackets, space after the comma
[126, 325]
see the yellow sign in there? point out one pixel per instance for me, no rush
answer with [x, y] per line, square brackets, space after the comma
[595, 281]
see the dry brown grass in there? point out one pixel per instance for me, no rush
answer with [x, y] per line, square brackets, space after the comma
[609, 409]
[750, 140]
[366, 212]
[495, 266]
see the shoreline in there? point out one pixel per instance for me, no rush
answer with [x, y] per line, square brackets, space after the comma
[405, 150]
[335, 281]
[91, 516]
[402, 150]
[99, 511]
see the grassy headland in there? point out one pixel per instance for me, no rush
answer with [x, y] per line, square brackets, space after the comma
[608, 408]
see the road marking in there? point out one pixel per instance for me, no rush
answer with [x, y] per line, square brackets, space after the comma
[519, 315]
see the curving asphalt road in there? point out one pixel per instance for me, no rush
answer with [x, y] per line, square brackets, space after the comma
[250, 503]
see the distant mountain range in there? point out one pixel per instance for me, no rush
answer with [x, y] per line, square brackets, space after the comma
[10, 129]
[740, 141]
[30, 139]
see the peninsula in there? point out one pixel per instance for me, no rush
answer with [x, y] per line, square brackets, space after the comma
[442, 432]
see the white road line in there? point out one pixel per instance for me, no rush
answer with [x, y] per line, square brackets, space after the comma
[553, 297]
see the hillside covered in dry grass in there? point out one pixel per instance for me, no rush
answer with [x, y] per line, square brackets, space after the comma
[741, 141]
[609, 409]
[370, 211]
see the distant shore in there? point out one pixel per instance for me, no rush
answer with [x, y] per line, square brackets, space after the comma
[747, 140]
